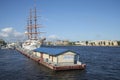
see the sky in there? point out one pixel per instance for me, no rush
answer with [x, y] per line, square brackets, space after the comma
[74, 20]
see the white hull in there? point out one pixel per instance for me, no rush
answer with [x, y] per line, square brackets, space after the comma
[31, 44]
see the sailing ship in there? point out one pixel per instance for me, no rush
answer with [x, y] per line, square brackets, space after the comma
[33, 41]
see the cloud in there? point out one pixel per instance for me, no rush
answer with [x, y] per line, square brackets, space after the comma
[10, 33]
[7, 30]
[53, 37]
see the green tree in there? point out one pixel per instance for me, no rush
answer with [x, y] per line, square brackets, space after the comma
[119, 43]
[86, 42]
[2, 42]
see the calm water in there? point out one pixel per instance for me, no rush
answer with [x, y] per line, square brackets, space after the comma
[103, 63]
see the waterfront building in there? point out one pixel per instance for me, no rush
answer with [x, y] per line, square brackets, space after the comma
[58, 42]
[83, 43]
[98, 43]
[58, 57]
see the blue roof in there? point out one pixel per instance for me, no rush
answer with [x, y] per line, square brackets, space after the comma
[51, 51]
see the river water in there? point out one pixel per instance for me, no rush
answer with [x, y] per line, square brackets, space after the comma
[103, 63]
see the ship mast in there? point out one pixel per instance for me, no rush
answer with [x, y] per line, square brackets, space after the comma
[35, 25]
[32, 29]
[28, 27]
[31, 26]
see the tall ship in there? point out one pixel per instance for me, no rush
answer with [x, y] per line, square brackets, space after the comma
[32, 33]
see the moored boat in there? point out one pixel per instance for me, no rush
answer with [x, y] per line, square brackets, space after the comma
[55, 59]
